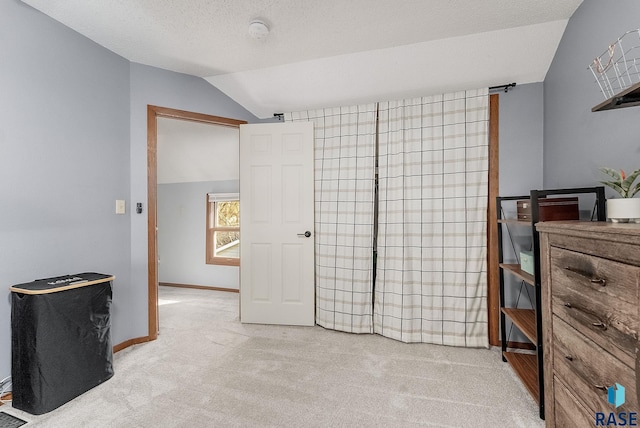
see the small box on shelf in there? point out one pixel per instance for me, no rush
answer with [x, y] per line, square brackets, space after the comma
[526, 261]
[550, 209]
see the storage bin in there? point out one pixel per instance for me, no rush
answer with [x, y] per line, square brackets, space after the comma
[60, 339]
[526, 262]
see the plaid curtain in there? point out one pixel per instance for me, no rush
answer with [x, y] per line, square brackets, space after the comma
[344, 194]
[433, 184]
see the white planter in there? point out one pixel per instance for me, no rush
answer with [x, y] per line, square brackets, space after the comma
[624, 210]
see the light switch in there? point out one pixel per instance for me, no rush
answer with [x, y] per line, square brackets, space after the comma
[120, 206]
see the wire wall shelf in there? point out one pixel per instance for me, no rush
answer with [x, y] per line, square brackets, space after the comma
[618, 67]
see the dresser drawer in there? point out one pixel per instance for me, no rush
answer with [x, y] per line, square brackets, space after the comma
[569, 411]
[621, 245]
[597, 297]
[588, 370]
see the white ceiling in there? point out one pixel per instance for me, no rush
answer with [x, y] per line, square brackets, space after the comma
[328, 52]
[192, 151]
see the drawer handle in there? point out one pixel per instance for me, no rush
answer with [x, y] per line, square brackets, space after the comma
[599, 324]
[591, 278]
[569, 357]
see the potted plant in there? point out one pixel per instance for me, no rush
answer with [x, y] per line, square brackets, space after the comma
[626, 208]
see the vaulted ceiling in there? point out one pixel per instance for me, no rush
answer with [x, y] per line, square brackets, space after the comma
[325, 53]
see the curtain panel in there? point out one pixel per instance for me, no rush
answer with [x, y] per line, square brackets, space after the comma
[344, 202]
[431, 278]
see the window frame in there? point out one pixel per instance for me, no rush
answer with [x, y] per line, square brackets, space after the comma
[211, 258]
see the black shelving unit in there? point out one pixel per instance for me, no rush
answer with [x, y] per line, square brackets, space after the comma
[529, 365]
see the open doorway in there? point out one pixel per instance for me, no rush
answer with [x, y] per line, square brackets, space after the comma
[156, 119]
[198, 184]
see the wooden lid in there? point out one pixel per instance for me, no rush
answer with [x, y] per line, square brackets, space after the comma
[61, 283]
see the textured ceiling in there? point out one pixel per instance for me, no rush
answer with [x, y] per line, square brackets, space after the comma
[209, 38]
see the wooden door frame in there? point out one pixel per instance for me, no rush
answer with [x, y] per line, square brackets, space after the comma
[153, 113]
[493, 273]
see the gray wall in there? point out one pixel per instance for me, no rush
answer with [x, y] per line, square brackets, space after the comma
[521, 155]
[73, 140]
[181, 235]
[64, 160]
[521, 135]
[577, 141]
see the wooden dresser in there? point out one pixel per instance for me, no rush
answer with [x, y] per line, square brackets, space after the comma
[590, 307]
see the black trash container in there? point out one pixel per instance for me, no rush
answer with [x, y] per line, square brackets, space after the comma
[60, 339]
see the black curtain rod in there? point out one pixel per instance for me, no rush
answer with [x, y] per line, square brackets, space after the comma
[505, 87]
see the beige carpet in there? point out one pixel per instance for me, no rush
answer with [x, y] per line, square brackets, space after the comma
[208, 370]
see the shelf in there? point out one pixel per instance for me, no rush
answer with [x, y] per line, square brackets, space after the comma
[628, 98]
[525, 320]
[529, 366]
[515, 221]
[517, 271]
[526, 367]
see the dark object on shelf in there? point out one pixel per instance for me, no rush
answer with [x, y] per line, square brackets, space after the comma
[529, 366]
[60, 339]
[550, 209]
[630, 97]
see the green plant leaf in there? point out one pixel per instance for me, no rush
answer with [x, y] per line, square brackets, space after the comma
[616, 187]
[614, 173]
[628, 182]
[634, 190]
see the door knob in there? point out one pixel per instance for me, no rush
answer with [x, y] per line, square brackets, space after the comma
[306, 234]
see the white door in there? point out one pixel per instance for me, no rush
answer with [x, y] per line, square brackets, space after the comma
[276, 221]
